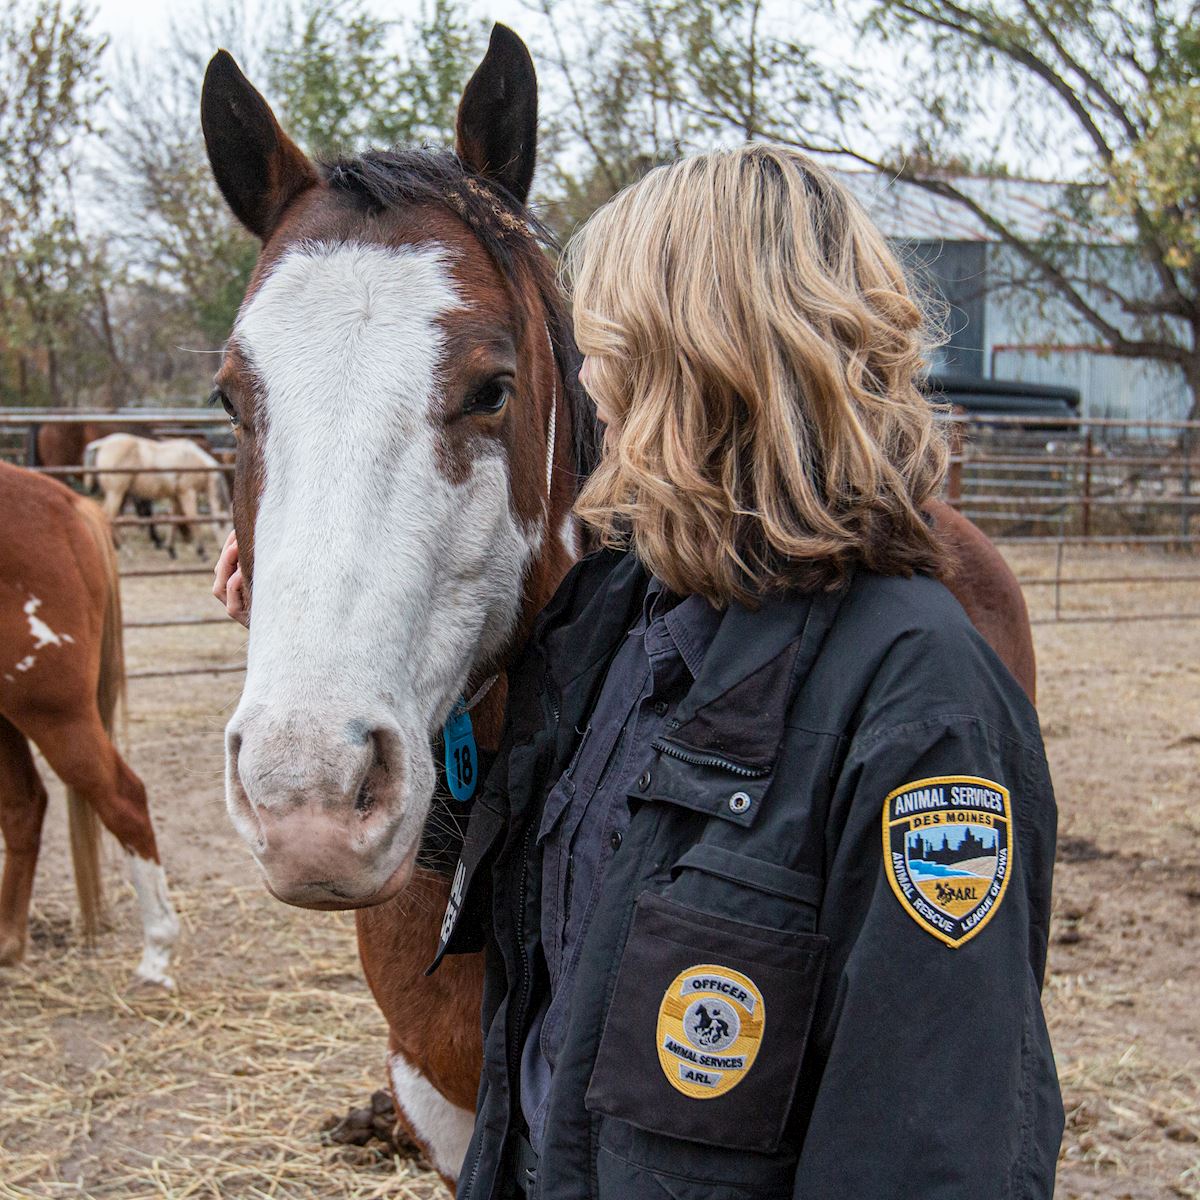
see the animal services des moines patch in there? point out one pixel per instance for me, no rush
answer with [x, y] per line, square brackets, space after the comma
[947, 849]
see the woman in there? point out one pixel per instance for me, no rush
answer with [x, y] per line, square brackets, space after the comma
[763, 870]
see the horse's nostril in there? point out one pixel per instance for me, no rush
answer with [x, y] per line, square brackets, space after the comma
[363, 802]
[376, 777]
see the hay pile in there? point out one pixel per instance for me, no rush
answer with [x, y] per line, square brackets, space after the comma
[108, 1089]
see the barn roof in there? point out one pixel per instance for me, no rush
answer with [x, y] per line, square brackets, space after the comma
[1033, 208]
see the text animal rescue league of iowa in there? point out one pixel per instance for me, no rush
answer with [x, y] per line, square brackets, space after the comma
[947, 843]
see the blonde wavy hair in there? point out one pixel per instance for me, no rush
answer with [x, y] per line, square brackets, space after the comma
[757, 349]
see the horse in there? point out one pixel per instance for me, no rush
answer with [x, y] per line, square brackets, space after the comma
[172, 469]
[62, 444]
[411, 435]
[62, 677]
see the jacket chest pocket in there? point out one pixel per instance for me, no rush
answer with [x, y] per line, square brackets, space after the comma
[739, 887]
[706, 1030]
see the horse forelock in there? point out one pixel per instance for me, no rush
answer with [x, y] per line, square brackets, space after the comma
[515, 238]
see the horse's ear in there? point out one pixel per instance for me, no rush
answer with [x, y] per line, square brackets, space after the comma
[497, 116]
[258, 168]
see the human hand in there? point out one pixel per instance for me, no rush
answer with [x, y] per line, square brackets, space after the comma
[228, 585]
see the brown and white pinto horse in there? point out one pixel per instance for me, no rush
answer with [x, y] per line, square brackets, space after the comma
[62, 675]
[410, 439]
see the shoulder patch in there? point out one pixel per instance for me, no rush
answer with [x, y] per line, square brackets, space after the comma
[947, 850]
[710, 1026]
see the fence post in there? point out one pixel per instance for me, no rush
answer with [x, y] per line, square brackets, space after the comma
[1185, 507]
[1087, 483]
[954, 483]
[1058, 562]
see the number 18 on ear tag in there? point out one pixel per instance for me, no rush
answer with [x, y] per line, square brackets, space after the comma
[462, 756]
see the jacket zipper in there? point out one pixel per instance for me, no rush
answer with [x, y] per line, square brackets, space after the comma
[474, 1171]
[522, 1002]
[523, 992]
[710, 760]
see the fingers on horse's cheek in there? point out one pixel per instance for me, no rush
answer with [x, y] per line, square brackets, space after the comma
[237, 596]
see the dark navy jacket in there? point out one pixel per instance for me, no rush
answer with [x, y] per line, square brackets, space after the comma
[815, 967]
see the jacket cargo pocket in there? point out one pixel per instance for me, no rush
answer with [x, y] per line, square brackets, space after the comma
[706, 1029]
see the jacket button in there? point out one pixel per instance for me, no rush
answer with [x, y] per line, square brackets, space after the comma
[644, 781]
[739, 802]
[615, 840]
[660, 708]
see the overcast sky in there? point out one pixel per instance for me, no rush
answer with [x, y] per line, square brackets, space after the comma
[148, 23]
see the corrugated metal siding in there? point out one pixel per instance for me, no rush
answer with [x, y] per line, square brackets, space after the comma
[956, 273]
[1129, 389]
[1021, 323]
[1000, 331]
[1031, 208]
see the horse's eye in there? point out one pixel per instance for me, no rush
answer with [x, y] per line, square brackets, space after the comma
[490, 398]
[219, 396]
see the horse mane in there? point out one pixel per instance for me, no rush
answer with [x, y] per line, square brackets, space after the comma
[517, 240]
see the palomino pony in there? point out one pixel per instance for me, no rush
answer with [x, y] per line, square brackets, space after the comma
[62, 674]
[148, 469]
[62, 444]
[411, 434]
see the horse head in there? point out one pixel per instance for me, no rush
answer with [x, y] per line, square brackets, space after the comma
[401, 379]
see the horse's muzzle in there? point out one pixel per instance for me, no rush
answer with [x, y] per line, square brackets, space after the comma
[323, 815]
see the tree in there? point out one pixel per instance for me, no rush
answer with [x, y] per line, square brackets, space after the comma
[333, 75]
[53, 280]
[1105, 92]
[340, 85]
[1098, 99]
[642, 81]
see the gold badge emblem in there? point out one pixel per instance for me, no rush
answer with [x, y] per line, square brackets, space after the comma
[947, 848]
[710, 1026]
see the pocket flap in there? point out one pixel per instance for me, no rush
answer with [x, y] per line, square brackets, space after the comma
[767, 877]
[704, 787]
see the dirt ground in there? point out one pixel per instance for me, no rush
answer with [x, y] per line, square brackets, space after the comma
[221, 1089]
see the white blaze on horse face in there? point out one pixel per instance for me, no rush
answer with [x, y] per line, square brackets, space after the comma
[377, 582]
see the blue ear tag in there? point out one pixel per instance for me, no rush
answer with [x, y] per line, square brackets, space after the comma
[462, 756]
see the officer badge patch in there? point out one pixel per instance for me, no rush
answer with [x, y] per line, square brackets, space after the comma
[947, 849]
[710, 1026]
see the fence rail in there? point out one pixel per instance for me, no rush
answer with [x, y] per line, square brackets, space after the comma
[25, 418]
[1065, 483]
[18, 428]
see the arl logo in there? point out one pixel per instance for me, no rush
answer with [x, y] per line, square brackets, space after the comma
[947, 847]
[710, 1026]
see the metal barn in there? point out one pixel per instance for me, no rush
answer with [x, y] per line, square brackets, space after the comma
[1002, 326]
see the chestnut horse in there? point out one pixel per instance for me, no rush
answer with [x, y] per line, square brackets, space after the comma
[62, 443]
[62, 675]
[410, 435]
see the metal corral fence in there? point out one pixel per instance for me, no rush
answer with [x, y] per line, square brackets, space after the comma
[1058, 483]
[1068, 483]
[18, 436]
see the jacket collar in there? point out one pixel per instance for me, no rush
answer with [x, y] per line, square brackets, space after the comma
[737, 703]
[594, 606]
